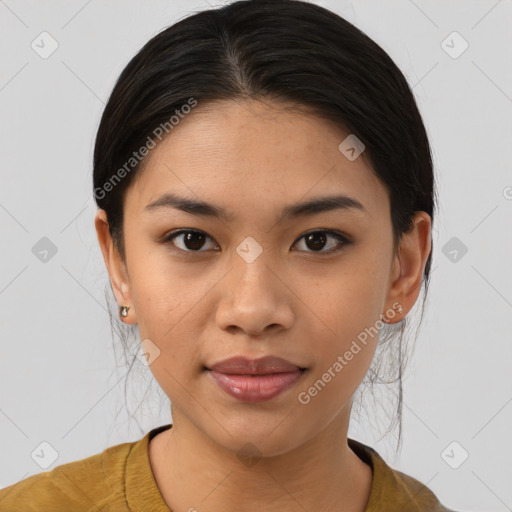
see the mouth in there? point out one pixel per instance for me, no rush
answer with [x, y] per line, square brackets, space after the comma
[254, 380]
[253, 388]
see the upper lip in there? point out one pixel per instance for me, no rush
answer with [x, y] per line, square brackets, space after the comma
[241, 365]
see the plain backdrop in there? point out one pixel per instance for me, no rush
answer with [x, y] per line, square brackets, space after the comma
[61, 380]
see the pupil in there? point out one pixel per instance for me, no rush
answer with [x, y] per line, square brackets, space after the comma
[189, 240]
[316, 236]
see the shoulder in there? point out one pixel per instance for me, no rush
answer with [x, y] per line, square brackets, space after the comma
[392, 489]
[90, 484]
[416, 495]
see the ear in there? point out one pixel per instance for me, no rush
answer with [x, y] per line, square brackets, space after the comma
[408, 267]
[115, 265]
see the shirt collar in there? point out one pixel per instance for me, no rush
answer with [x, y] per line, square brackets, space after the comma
[142, 492]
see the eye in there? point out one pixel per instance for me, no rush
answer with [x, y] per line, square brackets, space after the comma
[317, 240]
[191, 239]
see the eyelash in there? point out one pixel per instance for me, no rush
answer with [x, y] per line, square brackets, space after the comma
[335, 234]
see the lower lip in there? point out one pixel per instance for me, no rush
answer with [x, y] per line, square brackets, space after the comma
[255, 389]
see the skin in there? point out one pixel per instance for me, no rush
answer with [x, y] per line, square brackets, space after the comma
[294, 301]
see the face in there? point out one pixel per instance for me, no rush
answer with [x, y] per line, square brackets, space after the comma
[303, 287]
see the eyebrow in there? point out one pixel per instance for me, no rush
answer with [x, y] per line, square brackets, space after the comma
[307, 208]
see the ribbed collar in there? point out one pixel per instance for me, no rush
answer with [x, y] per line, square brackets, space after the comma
[142, 492]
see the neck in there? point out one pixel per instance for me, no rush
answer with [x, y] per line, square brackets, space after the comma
[193, 472]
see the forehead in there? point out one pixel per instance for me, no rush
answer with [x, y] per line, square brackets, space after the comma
[254, 155]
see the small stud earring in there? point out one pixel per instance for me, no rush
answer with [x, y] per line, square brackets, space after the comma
[124, 311]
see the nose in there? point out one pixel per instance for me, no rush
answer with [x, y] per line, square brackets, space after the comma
[254, 299]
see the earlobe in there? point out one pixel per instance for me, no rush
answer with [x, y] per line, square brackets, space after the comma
[408, 268]
[116, 267]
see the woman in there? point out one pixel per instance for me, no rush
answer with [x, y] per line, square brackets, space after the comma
[265, 202]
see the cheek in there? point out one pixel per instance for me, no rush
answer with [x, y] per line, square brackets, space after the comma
[347, 302]
[171, 315]
[179, 360]
[346, 324]
[346, 343]
[157, 290]
[341, 361]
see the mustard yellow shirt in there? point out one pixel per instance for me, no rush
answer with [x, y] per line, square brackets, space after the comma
[120, 479]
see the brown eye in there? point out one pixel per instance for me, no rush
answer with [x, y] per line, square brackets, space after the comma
[191, 240]
[317, 240]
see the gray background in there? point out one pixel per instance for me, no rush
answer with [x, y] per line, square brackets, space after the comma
[62, 381]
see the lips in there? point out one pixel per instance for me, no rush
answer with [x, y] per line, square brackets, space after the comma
[255, 380]
[240, 365]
